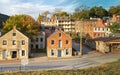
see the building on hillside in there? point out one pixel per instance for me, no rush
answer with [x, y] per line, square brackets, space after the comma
[116, 18]
[66, 23]
[100, 29]
[105, 45]
[59, 44]
[14, 45]
[48, 22]
[38, 41]
[86, 27]
[92, 28]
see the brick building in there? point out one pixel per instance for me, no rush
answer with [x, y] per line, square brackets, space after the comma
[59, 44]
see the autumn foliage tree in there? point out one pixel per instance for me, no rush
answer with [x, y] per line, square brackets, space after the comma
[24, 23]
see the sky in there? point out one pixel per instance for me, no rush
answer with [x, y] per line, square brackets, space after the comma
[35, 7]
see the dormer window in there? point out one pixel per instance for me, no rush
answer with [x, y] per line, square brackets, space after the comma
[14, 34]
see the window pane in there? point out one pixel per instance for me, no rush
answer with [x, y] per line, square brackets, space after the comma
[23, 42]
[67, 41]
[23, 52]
[52, 41]
[4, 42]
[41, 39]
[13, 42]
[60, 43]
[52, 52]
[59, 34]
[14, 34]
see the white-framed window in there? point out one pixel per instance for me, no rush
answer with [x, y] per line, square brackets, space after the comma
[13, 42]
[23, 42]
[52, 52]
[67, 51]
[60, 44]
[23, 53]
[4, 42]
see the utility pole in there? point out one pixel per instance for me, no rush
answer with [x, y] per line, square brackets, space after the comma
[81, 30]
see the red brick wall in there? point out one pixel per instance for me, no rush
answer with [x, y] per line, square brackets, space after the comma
[56, 39]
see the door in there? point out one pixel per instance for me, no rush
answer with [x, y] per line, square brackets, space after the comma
[4, 54]
[14, 54]
[59, 53]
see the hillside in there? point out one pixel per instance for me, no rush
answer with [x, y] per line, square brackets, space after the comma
[3, 18]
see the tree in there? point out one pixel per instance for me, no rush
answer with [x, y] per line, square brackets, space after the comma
[60, 14]
[99, 12]
[81, 12]
[45, 14]
[115, 27]
[24, 23]
[114, 10]
[39, 19]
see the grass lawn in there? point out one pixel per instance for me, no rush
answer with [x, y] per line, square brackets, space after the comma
[105, 69]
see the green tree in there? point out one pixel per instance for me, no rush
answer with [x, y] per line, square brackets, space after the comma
[98, 12]
[115, 27]
[81, 12]
[114, 10]
[24, 23]
[60, 14]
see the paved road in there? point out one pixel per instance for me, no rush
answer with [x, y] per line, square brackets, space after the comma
[90, 58]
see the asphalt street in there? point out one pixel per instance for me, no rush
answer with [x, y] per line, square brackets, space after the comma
[89, 58]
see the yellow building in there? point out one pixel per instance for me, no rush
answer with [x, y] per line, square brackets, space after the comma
[14, 45]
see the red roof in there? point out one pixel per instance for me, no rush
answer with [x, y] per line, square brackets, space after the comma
[100, 23]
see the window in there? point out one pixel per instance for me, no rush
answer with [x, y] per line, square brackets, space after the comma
[14, 34]
[36, 46]
[37, 39]
[41, 39]
[98, 29]
[103, 29]
[4, 42]
[23, 52]
[31, 46]
[67, 52]
[52, 52]
[59, 34]
[13, 42]
[67, 41]
[95, 29]
[60, 43]
[23, 42]
[52, 42]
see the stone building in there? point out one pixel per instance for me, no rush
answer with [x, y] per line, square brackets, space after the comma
[38, 41]
[14, 45]
[59, 44]
[105, 45]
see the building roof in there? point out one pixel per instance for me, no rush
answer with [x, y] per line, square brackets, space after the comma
[14, 29]
[106, 39]
[58, 30]
[100, 23]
